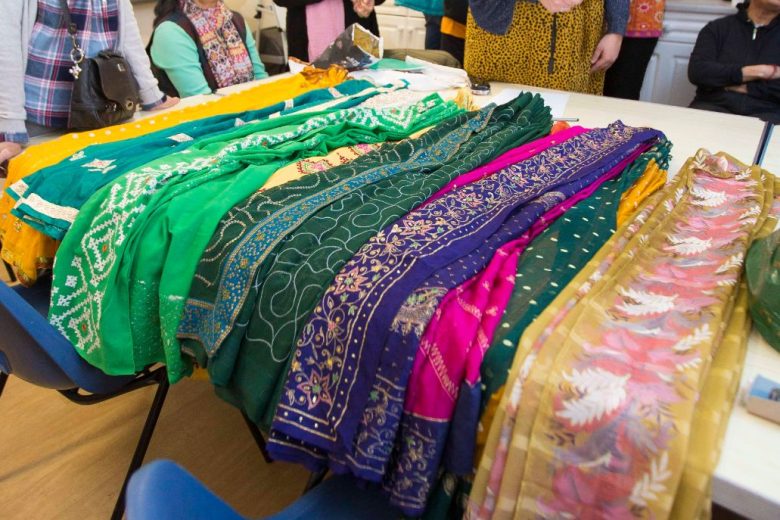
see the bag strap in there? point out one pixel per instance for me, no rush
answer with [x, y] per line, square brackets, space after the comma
[69, 25]
[76, 53]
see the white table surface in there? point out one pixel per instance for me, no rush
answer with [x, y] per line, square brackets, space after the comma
[746, 479]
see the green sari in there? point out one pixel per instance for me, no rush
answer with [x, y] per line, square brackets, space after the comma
[251, 353]
[125, 267]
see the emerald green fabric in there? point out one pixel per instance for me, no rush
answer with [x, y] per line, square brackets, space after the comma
[763, 277]
[125, 268]
[248, 363]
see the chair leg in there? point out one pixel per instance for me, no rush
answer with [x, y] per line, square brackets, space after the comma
[315, 478]
[3, 379]
[257, 435]
[143, 442]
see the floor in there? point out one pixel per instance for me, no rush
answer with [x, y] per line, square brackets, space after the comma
[65, 461]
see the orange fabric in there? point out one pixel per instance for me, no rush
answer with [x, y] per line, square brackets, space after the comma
[645, 18]
[453, 28]
[27, 250]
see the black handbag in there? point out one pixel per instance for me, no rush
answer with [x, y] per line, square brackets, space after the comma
[104, 89]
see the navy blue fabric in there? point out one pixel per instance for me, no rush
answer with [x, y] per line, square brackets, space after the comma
[494, 16]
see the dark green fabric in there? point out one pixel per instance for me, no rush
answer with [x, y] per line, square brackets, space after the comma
[290, 282]
[763, 276]
[554, 258]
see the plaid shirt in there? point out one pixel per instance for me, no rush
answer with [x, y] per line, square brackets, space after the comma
[48, 84]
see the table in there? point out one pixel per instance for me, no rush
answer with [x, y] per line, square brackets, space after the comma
[745, 480]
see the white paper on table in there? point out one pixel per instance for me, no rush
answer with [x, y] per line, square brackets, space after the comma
[555, 100]
[418, 82]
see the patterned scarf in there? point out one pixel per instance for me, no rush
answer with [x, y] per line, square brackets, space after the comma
[225, 51]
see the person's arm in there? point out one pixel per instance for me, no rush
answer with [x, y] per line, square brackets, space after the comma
[608, 48]
[257, 65]
[766, 90]
[704, 69]
[132, 48]
[177, 54]
[12, 113]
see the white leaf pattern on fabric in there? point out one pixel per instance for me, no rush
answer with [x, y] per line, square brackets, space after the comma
[601, 393]
[699, 335]
[651, 483]
[733, 261]
[688, 245]
[642, 303]
[707, 198]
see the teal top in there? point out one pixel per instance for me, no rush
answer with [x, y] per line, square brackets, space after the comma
[177, 54]
[429, 7]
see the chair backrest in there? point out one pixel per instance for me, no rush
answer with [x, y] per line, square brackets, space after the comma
[163, 490]
[33, 350]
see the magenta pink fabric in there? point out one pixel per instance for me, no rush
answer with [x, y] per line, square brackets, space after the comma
[457, 337]
[324, 22]
[509, 158]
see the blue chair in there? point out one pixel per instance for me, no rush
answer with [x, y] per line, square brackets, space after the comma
[163, 490]
[33, 350]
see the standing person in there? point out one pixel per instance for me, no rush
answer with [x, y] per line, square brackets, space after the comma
[432, 10]
[558, 44]
[313, 24]
[35, 60]
[199, 46]
[453, 27]
[645, 24]
[735, 63]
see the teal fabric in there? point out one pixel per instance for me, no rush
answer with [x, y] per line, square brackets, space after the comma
[429, 7]
[54, 193]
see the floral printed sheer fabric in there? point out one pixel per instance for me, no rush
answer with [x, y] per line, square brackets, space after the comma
[624, 368]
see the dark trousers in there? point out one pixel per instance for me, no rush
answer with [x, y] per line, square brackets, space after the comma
[453, 45]
[624, 78]
[736, 103]
[432, 32]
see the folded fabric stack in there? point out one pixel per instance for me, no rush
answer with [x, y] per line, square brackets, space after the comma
[419, 295]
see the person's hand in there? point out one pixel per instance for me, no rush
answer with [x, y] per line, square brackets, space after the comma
[9, 150]
[757, 72]
[742, 89]
[559, 6]
[363, 8]
[606, 52]
[168, 103]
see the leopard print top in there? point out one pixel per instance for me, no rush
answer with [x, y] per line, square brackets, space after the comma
[540, 49]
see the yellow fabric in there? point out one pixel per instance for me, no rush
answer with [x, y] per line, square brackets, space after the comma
[710, 419]
[651, 180]
[28, 250]
[540, 49]
[524, 445]
[337, 157]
